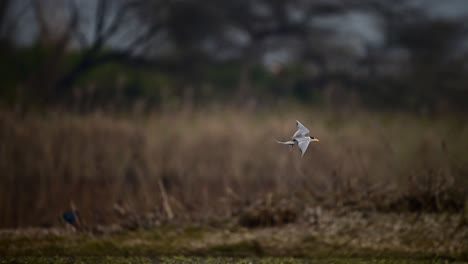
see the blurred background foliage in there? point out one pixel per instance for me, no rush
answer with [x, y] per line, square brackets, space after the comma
[408, 55]
[161, 105]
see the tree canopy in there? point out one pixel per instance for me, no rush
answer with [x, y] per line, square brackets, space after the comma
[379, 53]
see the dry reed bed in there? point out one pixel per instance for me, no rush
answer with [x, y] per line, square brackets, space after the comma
[213, 163]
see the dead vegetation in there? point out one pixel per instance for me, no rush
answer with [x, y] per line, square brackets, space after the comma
[223, 163]
[317, 233]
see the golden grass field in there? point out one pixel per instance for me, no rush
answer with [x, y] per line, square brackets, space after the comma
[213, 163]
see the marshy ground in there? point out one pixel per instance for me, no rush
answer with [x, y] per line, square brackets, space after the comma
[215, 260]
[332, 236]
[377, 189]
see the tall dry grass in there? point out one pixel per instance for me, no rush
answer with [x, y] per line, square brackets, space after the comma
[211, 163]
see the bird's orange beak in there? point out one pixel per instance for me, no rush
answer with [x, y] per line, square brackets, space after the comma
[316, 139]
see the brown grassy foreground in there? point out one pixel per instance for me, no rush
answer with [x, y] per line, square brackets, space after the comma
[212, 164]
[318, 234]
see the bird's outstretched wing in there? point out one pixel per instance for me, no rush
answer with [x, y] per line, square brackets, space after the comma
[302, 131]
[303, 143]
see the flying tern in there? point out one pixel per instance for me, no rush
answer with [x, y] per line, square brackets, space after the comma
[300, 138]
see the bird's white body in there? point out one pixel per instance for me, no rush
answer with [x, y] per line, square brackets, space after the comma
[300, 138]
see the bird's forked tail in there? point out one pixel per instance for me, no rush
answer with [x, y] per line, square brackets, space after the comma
[289, 143]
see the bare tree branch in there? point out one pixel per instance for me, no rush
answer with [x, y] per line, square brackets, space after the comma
[101, 12]
[42, 22]
[72, 26]
[143, 38]
[119, 18]
[92, 57]
[76, 31]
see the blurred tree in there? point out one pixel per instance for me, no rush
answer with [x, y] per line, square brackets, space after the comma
[434, 63]
[434, 73]
[419, 63]
[113, 21]
[208, 31]
[53, 41]
[108, 25]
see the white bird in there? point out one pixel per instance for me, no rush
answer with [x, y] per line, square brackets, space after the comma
[300, 138]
